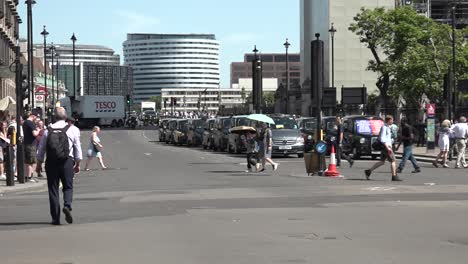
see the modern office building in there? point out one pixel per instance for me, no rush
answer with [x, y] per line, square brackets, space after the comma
[95, 54]
[95, 79]
[441, 10]
[9, 36]
[210, 99]
[274, 66]
[171, 61]
[351, 56]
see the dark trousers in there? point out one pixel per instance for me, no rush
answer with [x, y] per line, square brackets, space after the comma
[340, 154]
[408, 155]
[56, 172]
[252, 160]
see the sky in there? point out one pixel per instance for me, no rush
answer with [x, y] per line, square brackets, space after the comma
[237, 24]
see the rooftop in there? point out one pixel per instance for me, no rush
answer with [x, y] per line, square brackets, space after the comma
[142, 36]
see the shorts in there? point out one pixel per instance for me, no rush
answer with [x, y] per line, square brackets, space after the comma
[384, 155]
[30, 154]
[2, 158]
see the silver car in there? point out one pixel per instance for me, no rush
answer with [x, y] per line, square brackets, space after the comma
[287, 137]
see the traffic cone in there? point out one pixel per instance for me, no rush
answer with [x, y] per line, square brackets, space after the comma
[332, 171]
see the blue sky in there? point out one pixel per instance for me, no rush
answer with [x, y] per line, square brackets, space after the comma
[106, 22]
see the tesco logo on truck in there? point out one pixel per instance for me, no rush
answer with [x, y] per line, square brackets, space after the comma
[105, 105]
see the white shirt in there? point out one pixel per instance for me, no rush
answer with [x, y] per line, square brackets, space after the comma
[460, 130]
[386, 135]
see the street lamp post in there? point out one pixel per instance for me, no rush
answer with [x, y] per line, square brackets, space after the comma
[74, 39]
[286, 45]
[454, 64]
[56, 94]
[52, 53]
[332, 31]
[44, 33]
[30, 34]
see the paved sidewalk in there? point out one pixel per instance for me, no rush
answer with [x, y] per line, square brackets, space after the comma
[29, 186]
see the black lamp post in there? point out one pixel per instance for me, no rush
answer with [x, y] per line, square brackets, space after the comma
[52, 54]
[332, 31]
[286, 45]
[30, 34]
[74, 39]
[454, 67]
[56, 94]
[44, 33]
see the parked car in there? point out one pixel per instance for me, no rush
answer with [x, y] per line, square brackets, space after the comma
[221, 133]
[359, 134]
[209, 126]
[196, 129]
[308, 127]
[171, 126]
[235, 144]
[162, 130]
[179, 134]
[287, 137]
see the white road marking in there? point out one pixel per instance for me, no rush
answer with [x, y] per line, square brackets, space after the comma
[380, 188]
[148, 154]
[429, 184]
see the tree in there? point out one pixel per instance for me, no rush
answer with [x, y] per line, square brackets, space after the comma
[268, 99]
[411, 53]
[157, 100]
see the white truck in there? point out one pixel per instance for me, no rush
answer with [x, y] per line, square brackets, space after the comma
[145, 106]
[91, 110]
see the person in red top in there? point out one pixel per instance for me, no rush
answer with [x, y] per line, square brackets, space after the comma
[40, 125]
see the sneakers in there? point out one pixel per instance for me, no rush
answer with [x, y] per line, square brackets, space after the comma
[68, 216]
[446, 165]
[31, 180]
[3, 177]
[396, 178]
[368, 174]
[351, 163]
[434, 163]
[275, 166]
[418, 170]
[248, 170]
[399, 170]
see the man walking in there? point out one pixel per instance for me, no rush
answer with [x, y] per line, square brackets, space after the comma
[61, 144]
[460, 133]
[407, 137]
[385, 137]
[339, 144]
[30, 133]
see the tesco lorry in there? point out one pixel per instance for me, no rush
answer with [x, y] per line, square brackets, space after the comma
[91, 110]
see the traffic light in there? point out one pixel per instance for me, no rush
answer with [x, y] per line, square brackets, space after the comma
[175, 101]
[198, 104]
[165, 103]
[128, 100]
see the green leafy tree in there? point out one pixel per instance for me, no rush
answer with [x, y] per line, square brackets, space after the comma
[411, 53]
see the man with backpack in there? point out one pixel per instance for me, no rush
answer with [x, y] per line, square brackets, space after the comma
[61, 145]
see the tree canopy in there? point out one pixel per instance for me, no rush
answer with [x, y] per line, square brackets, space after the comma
[411, 53]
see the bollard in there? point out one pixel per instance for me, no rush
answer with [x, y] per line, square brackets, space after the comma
[8, 162]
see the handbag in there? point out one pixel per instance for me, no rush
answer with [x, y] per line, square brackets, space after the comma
[97, 148]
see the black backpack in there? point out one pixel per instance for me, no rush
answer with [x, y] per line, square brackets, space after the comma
[57, 148]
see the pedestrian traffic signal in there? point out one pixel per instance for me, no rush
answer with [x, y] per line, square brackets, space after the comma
[128, 99]
[165, 102]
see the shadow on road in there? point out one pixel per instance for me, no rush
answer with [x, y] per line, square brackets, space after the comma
[23, 223]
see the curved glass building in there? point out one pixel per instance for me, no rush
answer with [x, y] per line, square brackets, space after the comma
[171, 61]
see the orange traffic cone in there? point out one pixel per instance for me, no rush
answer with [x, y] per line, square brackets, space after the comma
[332, 171]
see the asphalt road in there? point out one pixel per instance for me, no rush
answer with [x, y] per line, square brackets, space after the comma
[165, 204]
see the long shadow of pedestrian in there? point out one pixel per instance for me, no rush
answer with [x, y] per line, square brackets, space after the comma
[23, 223]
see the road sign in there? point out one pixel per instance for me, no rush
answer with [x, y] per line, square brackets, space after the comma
[431, 109]
[354, 95]
[321, 147]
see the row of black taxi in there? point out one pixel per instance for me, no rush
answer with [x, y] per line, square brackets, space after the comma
[214, 133]
[290, 135]
[359, 133]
